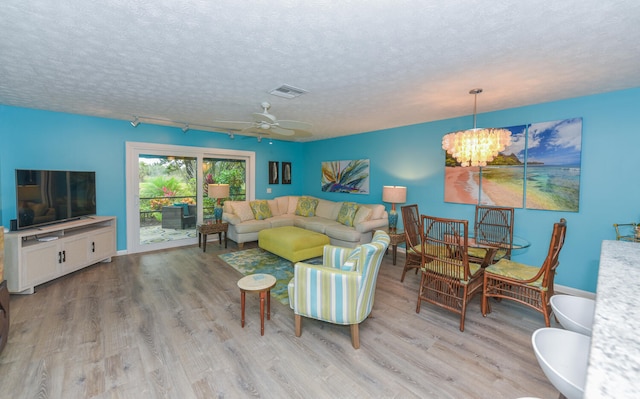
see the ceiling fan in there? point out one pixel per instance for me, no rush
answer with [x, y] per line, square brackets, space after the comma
[265, 124]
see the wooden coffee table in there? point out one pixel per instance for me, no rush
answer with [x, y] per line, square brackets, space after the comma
[262, 284]
[211, 228]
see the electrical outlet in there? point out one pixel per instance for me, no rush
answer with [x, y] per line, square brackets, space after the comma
[269, 191]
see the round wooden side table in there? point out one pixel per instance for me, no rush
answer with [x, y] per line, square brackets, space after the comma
[262, 284]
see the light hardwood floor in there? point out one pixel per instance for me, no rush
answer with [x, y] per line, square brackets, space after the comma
[167, 325]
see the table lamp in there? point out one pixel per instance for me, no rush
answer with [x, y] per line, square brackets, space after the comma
[394, 195]
[218, 191]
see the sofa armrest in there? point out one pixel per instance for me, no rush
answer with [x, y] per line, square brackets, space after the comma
[231, 218]
[334, 256]
[371, 225]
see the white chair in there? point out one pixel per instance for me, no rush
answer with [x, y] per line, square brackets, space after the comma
[563, 356]
[574, 313]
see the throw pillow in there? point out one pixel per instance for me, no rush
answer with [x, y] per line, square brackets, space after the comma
[347, 213]
[260, 209]
[306, 206]
[351, 263]
[363, 214]
[325, 209]
[243, 210]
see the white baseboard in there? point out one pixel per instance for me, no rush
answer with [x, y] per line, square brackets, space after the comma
[561, 289]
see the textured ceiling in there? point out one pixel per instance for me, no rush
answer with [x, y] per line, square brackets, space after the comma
[367, 65]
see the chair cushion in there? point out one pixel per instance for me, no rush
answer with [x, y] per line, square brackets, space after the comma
[459, 274]
[347, 213]
[260, 209]
[306, 206]
[515, 270]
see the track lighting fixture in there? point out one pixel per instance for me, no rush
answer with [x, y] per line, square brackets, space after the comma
[185, 128]
[231, 135]
[259, 139]
[270, 141]
[135, 122]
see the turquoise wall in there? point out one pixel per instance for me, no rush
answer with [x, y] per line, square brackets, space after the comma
[409, 156]
[609, 185]
[33, 139]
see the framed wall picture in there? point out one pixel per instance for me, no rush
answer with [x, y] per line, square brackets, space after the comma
[286, 173]
[273, 172]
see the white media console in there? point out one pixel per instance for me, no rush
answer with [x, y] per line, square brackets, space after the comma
[38, 255]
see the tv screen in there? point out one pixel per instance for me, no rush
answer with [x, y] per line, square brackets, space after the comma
[51, 196]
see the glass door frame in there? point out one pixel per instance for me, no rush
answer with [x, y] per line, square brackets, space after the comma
[133, 152]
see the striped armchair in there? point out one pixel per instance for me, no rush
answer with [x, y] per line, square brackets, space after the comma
[342, 289]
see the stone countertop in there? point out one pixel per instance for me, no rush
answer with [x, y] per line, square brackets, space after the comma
[614, 359]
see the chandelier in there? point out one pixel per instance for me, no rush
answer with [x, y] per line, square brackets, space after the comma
[477, 146]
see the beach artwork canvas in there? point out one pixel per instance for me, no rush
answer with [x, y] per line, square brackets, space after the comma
[346, 176]
[502, 180]
[500, 183]
[553, 165]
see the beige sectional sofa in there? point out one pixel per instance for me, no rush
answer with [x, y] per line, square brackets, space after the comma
[345, 225]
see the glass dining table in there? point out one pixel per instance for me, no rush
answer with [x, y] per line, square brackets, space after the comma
[486, 253]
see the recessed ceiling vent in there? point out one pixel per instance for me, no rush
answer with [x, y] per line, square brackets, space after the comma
[287, 91]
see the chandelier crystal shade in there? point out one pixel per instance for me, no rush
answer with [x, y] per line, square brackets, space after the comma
[477, 146]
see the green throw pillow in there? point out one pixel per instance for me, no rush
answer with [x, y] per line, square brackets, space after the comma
[306, 206]
[347, 213]
[260, 209]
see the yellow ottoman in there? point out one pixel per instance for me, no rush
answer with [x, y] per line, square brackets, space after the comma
[292, 243]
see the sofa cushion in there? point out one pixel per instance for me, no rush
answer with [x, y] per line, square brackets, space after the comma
[327, 209]
[347, 213]
[314, 223]
[242, 210]
[362, 215]
[377, 211]
[282, 220]
[306, 206]
[283, 204]
[273, 205]
[260, 209]
[343, 233]
[293, 203]
[252, 226]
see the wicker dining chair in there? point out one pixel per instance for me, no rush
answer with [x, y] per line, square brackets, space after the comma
[493, 226]
[626, 231]
[448, 280]
[411, 223]
[529, 285]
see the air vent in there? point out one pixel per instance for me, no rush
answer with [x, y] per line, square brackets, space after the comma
[287, 91]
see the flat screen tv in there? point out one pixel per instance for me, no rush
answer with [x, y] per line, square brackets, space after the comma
[53, 196]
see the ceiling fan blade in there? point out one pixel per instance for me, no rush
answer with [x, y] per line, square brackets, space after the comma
[294, 125]
[263, 117]
[281, 131]
[231, 125]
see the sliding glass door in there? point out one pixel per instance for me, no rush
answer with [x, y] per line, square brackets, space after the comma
[167, 196]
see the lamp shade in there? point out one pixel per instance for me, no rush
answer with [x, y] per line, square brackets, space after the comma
[394, 194]
[218, 191]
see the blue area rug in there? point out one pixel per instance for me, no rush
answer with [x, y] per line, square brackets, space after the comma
[257, 260]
